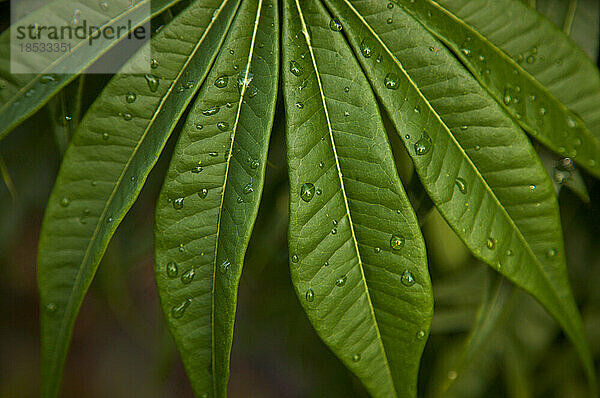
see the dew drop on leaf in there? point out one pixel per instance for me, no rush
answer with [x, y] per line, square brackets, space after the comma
[178, 203]
[295, 68]
[461, 185]
[221, 82]
[154, 63]
[391, 81]
[366, 48]
[199, 126]
[295, 258]
[130, 97]
[397, 242]
[152, 81]
[172, 269]
[127, 116]
[307, 191]
[213, 154]
[223, 126]
[178, 310]
[420, 335]
[310, 295]
[211, 111]
[188, 276]
[248, 188]
[423, 145]
[407, 279]
[203, 193]
[491, 243]
[225, 265]
[51, 308]
[356, 357]
[507, 97]
[341, 281]
[299, 105]
[254, 164]
[378, 250]
[551, 253]
[64, 202]
[335, 25]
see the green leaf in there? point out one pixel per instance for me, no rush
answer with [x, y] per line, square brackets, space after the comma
[106, 164]
[358, 259]
[23, 94]
[210, 197]
[475, 162]
[64, 111]
[533, 70]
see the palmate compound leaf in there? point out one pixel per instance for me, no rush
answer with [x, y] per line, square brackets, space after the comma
[475, 162]
[210, 197]
[533, 70]
[357, 256]
[106, 164]
[23, 94]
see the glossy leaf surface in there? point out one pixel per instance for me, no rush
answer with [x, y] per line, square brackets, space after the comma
[357, 257]
[475, 162]
[106, 164]
[210, 198]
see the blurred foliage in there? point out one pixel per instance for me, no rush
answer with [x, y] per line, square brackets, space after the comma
[121, 347]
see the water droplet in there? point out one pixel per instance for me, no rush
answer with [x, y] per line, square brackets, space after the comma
[178, 203]
[491, 243]
[127, 116]
[423, 145]
[378, 250]
[407, 279]
[307, 191]
[310, 295]
[346, 89]
[452, 375]
[213, 154]
[188, 276]
[334, 231]
[248, 188]
[530, 59]
[295, 68]
[420, 335]
[295, 258]
[154, 63]
[366, 48]
[389, 21]
[221, 82]
[507, 97]
[326, 264]
[477, 147]
[64, 202]
[571, 122]
[509, 252]
[51, 308]
[390, 5]
[461, 185]
[341, 281]
[346, 113]
[223, 126]
[551, 253]
[254, 164]
[203, 193]
[299, 105]
[417, 109]
[319, 191]
[397, 242]
[211, 111]
[130, 97]
[172, 269]
[321, 164]
[356, 357]
[178, 310]
[482, 58]
[152, 81]
[335, 25]
[391, 81]
[542, 111]
[464, 127]
[466, 51]
[225, 265]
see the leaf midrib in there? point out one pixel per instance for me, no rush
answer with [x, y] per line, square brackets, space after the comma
[343, 190]
[468, 159]
[70, 302]
[229, 156]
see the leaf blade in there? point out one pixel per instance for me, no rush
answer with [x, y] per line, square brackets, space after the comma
[357, 255]
[549, 86]
[508, 214]
[213, 226]
[22, 95]
[80, 221]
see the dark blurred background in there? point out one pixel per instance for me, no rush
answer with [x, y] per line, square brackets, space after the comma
[122, 348]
